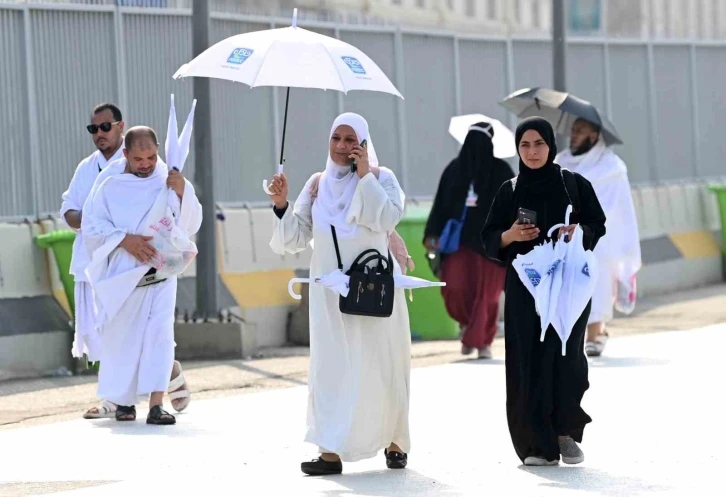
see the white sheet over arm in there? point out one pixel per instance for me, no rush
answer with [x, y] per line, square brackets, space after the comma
[625, 228]
[293, 232]
[378, 203]
[188, 212]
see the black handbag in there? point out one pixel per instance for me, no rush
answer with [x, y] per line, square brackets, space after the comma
[371, 288]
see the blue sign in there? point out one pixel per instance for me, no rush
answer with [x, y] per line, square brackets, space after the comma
[354, 65]
[239, 55]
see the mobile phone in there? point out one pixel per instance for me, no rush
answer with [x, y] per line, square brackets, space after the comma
[526, 216]
[353, 163]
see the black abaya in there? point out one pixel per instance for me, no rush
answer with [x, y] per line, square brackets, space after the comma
[544, 388]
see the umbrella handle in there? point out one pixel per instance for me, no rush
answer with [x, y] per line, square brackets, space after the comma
[265, 184]
[292, 282]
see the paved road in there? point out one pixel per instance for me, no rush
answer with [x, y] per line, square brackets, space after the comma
[655, 399]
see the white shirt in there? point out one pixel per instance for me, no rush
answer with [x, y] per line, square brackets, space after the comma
[74, 198]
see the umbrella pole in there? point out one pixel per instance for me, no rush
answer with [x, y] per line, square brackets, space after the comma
[284, 129]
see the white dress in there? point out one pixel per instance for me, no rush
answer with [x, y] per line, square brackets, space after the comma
[360, 366]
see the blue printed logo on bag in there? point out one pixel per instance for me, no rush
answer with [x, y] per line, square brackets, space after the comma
[354, 65]
[533, 276]
[239, 55]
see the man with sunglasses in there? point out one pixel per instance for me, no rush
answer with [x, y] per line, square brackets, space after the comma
[106, 130]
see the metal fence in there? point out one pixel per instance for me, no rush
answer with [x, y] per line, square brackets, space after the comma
[58, 61]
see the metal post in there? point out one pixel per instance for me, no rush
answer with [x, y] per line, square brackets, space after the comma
[559, 45]
[401, 107]
[457, 77]
[207, 258]
[34, 135]
[120, 46]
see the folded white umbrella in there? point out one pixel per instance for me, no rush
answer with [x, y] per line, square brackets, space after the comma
[289, 57]
[176, 147]
[579, 274]
[503, 139]
[540, 270]
[338, 282]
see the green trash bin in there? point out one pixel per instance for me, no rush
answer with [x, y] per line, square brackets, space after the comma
[720, 191]
[61, 243]
[428, 315]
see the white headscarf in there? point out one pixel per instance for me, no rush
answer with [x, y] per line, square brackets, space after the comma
[338, 184]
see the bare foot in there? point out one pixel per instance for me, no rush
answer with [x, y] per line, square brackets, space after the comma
[329, 457]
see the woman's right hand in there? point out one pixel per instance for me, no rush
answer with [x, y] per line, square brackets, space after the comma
[279, 190]
[520, 233]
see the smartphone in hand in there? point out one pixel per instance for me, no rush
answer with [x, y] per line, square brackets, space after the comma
[526, 216]
[353, 163]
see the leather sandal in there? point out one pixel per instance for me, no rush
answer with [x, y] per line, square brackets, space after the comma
[321, 467]
[396, 460]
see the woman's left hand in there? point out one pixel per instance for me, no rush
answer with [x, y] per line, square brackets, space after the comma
[567, 230]
[360, 154]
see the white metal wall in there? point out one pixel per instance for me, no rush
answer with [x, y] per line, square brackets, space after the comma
[58, 61]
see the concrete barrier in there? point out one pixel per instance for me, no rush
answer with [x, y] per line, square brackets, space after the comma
[678, 225]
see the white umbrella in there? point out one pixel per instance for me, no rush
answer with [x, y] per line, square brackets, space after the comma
[338, 282]
[176, 147]
[503, 139]
[289, 57]
[579, 274]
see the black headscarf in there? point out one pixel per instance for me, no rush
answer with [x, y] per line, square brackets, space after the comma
[549, 172]
[476, 156]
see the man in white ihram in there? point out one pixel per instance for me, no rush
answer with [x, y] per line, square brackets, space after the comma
[618, 252]
[135, 303]
[106, 128]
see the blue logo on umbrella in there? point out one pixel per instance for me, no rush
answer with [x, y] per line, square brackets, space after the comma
[239, 55]
[354, 65]
[533, 276]
[586, 270]
[554, 266]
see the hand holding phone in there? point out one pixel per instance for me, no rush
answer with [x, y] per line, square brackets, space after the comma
[356, 155]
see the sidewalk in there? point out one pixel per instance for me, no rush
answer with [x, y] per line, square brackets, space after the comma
[48, 400]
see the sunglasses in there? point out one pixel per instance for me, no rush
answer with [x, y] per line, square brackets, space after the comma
[105, 127]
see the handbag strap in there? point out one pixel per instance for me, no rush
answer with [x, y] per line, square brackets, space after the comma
[337, 252]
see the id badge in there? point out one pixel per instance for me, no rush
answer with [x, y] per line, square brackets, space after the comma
[471, 198]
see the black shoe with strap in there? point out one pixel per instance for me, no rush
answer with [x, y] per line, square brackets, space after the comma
[321, 467]
[125, 413]
[158, 416]
[396, 460]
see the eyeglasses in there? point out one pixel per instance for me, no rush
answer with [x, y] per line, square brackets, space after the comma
[105, 127]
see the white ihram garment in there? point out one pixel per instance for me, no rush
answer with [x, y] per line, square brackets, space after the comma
[85, 339]
[618, 252]
[136, 324]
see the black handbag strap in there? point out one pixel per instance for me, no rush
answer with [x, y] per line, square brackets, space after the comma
[340, 261]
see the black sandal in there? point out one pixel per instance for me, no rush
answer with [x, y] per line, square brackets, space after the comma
[321, 467]
[396, 460]
[158, 416]
[125, 413]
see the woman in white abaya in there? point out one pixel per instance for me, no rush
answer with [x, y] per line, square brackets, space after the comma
[359, 366]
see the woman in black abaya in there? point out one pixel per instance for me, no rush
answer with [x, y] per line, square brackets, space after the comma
[544, 388]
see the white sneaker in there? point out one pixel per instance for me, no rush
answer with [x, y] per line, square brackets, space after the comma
[596, 348]
[570, 451]
[485, 353]
[539, 461]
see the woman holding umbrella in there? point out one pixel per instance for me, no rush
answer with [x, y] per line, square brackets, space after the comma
[473, 283]
[544, 387]
[359, 365]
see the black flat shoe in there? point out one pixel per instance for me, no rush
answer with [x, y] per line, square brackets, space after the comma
[396, 460]
[320, 467]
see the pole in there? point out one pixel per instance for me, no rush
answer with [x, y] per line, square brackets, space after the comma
[559, 56]
[203, 174]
